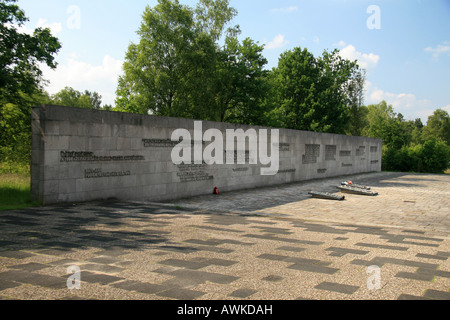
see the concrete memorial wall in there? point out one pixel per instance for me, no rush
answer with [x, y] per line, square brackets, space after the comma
[81, 155]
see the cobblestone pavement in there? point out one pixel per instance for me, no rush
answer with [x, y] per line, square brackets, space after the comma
[270, 243]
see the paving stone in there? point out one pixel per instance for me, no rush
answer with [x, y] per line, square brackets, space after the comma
[380, 261]
[173, 249]
[113, 251]
[7, 284]
[203, 242]
[61, 244]
[282, 239]
[410, 297]
[402, 239]
[337, 287]
[101, 268]
[178, 249]
[32, 266]
[193, 265]
[291, 249]
[202, 276]
[98, 278]
[137, 286]
[313, 268]
[415, 276]
[273, 230]
[437, 295]
[273, 278]
[38, 235]
[221, 262]
[431, 256]
[98, 238]
[381, 246]
[312, 227]
[340, 252]
[233, 242]
[34, 279]
[5, 243]
[214, 249]
[15, 254]
[75, 298]
[54, 252]
[104, 260]
[227, 230]
[243, 293]
[413, 231]
[64, 262]
[181, 294]
[299, 260]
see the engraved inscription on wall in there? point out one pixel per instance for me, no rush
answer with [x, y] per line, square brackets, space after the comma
[287, 170]
[347, 165]
[165, 143]
[312, 152]
[330, 152]
[345, 153]
[98, 173]
[159, 143]
[243, 169]
[374, 149]
[193, 172]
[85, 156]
[360, 151]
[284, 146]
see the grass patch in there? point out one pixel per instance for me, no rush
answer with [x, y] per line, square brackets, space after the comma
[15, 192]
[447, 171]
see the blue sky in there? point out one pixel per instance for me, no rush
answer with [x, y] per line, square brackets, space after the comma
[403, 44]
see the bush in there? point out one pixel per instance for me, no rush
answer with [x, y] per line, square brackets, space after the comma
[432, 156]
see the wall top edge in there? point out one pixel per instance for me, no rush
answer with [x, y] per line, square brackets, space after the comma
[74, 114]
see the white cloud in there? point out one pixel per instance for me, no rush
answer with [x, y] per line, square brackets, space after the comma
[55, 27]
[447, 108]
[285, 9]
[82, 76]
[277, 42]
[405, 103]
[366, 61]
[339, 44]
[316, 39]
[440, 49]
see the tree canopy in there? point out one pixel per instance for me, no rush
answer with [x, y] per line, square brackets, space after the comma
[192, 62]
[22, 53]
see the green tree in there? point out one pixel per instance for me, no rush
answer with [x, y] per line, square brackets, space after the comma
[21, 83]
[354, 90]
[433, 156]
[416, 134]
[170, 69]
[21, 54]
[74, 98]
[212, 16]
[15, 132]
[384, 123]
[241, 82]
[438, 126]
[311, 92]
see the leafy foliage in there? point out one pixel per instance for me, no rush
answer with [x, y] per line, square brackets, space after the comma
[311, 93]
[190, 63]
[21, 54]
[73, 98]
